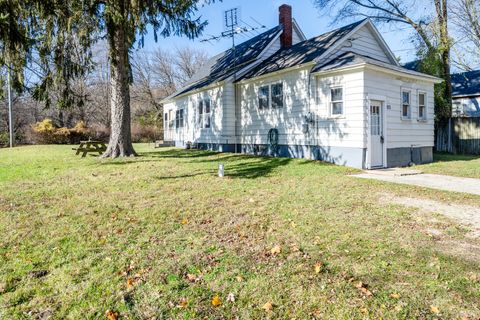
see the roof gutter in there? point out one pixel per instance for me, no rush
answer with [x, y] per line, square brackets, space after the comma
[207, 87]
[369, 66]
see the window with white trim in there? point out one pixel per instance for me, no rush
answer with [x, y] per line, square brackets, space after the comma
[422, 106]
[277, 95]
[336, 101]
[179, 118]
[204, 113]
[171, 119]
[264, 97]
[270, 96]
[406, 105]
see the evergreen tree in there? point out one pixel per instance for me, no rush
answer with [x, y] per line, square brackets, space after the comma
[59, 34]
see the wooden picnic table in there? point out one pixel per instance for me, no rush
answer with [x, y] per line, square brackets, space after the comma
[90, 146]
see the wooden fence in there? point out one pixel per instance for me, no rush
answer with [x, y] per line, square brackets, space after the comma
[459, 136]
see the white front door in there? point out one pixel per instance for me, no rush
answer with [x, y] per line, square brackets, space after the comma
[376, 134]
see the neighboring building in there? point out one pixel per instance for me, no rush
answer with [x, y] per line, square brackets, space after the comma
[466, 94]
[340, 97]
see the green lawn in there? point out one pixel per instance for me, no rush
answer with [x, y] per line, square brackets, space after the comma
[454, 165]
[159, 236]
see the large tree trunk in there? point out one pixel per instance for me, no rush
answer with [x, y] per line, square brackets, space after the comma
[442, 15]
[120, 144]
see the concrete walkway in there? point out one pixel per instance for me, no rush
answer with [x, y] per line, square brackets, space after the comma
[416, 178]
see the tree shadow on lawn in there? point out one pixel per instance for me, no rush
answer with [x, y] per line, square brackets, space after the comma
[179, 153]
[236, 165]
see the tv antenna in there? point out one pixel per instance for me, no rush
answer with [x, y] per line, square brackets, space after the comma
[232, 26]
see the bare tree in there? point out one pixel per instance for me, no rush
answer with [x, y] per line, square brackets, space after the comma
[465, 17]
[187, 62]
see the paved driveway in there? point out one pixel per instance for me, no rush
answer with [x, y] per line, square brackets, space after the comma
[434, 181]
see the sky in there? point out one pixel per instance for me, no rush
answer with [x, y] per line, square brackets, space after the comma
[310, 20]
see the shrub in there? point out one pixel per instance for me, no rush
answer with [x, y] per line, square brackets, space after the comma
[99, 132]
[4, 138]
[141, 133]
[79, 132]
[44, 132]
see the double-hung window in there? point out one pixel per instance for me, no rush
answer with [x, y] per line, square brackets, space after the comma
[171, 119]
[406, 105]
[264, 97]
[277, 95]
[422, 106]
[204, 113]
[179, 118]
[336, 101]
[270, 96]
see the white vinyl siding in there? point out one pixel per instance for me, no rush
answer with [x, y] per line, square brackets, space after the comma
[365, 43]
[400, 133]
[300, 100]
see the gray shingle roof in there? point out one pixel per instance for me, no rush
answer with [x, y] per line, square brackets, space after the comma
[221, 66]
[300, 53]
[466, 83]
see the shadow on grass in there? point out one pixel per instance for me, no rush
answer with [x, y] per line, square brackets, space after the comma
[179, 153]
[236, 165]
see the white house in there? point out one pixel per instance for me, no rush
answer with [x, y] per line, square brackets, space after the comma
[340, 97]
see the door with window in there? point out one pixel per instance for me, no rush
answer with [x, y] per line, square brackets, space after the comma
[376, 134]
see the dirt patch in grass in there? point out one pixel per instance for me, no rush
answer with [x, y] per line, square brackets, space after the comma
[440, 230]
[466, 215]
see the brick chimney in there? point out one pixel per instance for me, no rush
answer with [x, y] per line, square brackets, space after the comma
[285, 19]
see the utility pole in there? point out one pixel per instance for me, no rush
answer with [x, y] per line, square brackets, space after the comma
[10, 116]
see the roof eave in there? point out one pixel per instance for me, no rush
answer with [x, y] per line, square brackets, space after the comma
[470, 95]
[365, 65]
[198, 90]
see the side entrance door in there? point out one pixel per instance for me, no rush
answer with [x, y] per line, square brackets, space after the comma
[376, 134]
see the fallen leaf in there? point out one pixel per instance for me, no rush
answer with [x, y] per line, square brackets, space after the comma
[276, 250]
[364, 310]
[184, 221]
[395, 296]
[111, 315]
[318, 267]
[362, 287]
[183, 303]
[130, 282]
[231, 297]
[434, 309]
[216, 301]
[268, 306]
[191, 277]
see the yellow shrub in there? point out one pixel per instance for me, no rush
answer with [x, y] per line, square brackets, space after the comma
[45, 126]
[80, 127]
